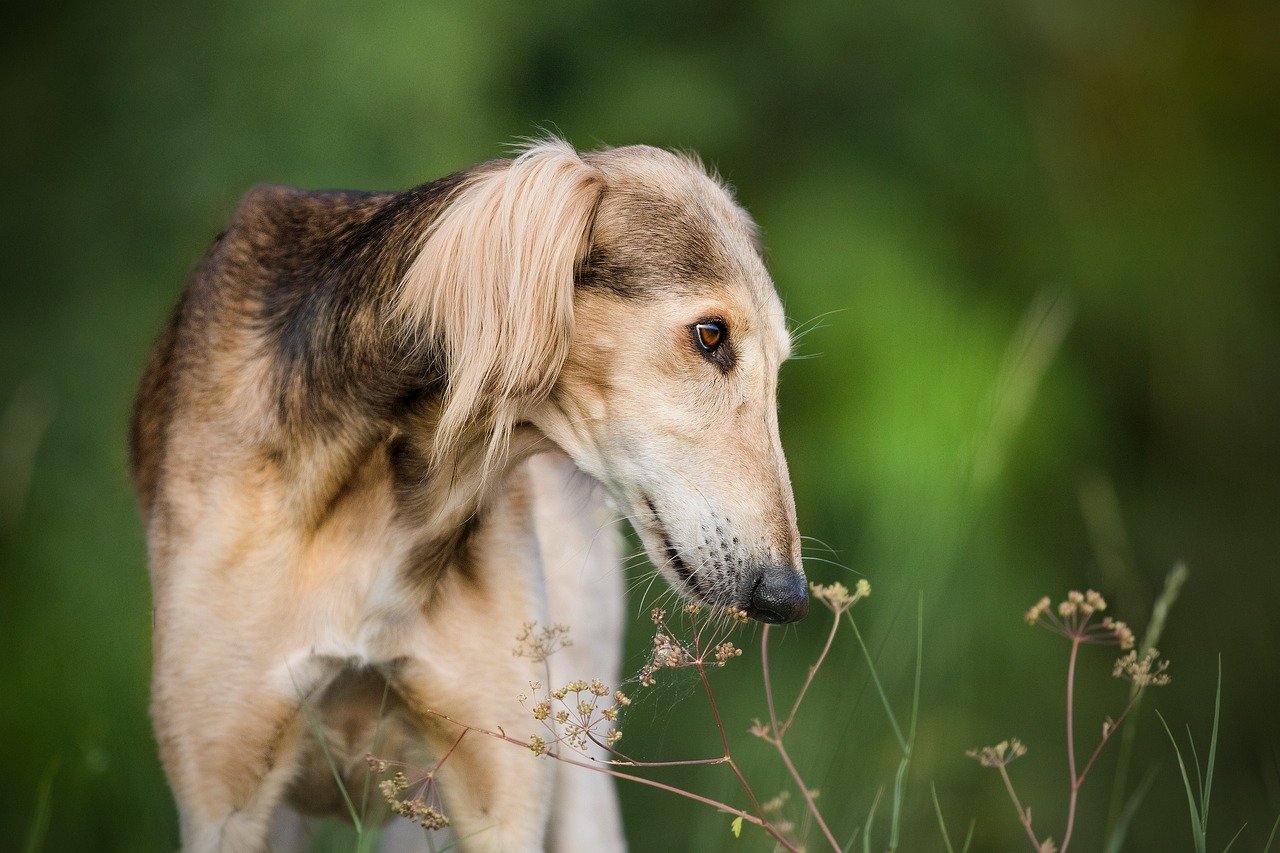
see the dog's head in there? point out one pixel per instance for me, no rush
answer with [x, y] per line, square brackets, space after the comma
[632, 321]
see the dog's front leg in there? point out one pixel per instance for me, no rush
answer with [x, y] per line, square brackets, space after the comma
[459, 662]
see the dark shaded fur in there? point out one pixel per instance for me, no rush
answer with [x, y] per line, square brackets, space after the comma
[308, 278]
[672, 250]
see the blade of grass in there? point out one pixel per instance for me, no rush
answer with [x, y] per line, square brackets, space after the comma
[1213, 750]
[875, 679]
[1115, 841]
[1232, 842]
[1197, 830]
[314, 724]
[1271, 839]
[899, 781]
[871, 818]
[968, 836]
[39, 828]
[374, 746]
[942, 824]
[1195, 761]
[1173, 583]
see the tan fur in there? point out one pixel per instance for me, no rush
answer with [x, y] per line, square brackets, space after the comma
[378, 437]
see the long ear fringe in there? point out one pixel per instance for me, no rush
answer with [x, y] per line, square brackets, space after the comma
[493, 285]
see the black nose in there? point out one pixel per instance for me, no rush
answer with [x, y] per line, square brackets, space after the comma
[779, 594]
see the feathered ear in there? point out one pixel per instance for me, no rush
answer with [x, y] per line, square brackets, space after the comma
[493, 285]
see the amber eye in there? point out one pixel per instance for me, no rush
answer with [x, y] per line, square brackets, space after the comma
[710, 333]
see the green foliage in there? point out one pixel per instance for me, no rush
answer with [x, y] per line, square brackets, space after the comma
[1198, 797]
[1040, 236]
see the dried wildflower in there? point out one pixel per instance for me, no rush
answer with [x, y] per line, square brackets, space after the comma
[391, 788]
[1124, 636]
[621, 698]
[740, 617]
[1145, 671]
[999, 755]
[613, 737]
[537, 745]
[1037, 610]
[692, 609]
[376, 764]
[598, 687]
[420, 808]
[657, 615]
[538, 644]
[418, 811]
[837, 597]
[610, 714]
[542, 710]
[776, 803]
[1074, 619]
[727, 651]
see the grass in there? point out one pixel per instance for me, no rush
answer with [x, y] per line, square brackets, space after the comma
[1199, 796]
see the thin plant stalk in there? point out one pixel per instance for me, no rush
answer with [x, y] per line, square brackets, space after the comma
[1199, 810]
[602, 767]
[1071, 744]
[1173, 583]
[1024, 816]
[899, 782]
[779, 730]
[314, 724]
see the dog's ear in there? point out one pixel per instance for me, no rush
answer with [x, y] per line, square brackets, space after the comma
[493, 284]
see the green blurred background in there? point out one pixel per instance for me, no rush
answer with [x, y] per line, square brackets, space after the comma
[1039, 241]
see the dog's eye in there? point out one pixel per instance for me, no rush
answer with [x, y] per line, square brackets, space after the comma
[710, 334]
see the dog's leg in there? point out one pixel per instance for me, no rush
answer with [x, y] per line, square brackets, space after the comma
[496, 794]
[581, 552]
[230, 735]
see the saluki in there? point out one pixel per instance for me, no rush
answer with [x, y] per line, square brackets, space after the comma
[383, 431]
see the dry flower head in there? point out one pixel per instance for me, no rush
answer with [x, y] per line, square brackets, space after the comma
[999, 755]
[1146, 670]
[539, 643]
[837, 597]
[421, 806]
[1073, 618]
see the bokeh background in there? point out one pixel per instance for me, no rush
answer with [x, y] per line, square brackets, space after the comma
[1038, 246]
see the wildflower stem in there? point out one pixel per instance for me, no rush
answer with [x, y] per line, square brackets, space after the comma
[653, 783]
[724, 740]
[813, 670]
[628, 761]
[768, 681]
[808, 797]
[1023, 817]
[1105, 737]
[875, 679]
[1071, 743]
[779, 731]
[445, 757]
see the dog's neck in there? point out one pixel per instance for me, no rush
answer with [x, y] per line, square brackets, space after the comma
[441, 503]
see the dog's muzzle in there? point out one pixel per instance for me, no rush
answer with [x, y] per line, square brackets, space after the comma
[777, 593]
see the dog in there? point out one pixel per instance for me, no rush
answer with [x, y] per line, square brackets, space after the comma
[384, 431]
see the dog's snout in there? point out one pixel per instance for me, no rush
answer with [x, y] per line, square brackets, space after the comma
[778, 594]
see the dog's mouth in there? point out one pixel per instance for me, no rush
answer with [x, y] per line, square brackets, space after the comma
[683, 570]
